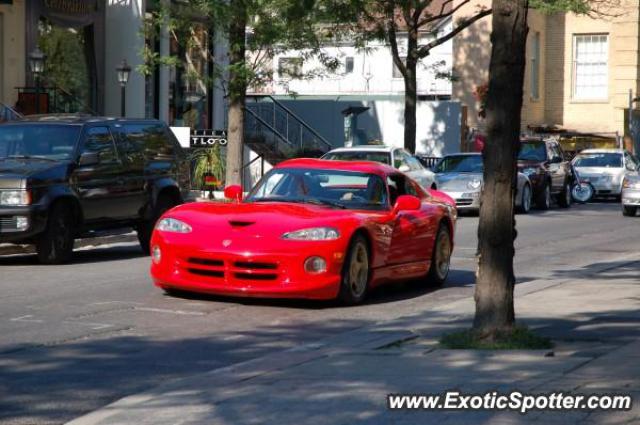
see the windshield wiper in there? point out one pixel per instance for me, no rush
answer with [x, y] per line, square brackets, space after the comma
[312, 201]
[30, 157]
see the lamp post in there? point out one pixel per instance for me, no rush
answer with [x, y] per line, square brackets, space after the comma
[36, 63]
[123, 78]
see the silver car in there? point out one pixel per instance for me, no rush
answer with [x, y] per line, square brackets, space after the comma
[630, 195]
[460, 176]
[605, 169]
[396, 157]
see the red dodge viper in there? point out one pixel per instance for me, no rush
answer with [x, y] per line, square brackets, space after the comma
[309, 229]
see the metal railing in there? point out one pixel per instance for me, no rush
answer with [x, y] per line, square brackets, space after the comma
[286, 123]
[7, 113]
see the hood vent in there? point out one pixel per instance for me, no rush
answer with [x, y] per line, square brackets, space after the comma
[239, 223]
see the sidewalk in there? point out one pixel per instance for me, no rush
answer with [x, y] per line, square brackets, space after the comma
[591, 314]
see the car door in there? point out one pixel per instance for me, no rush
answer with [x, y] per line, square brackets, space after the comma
[411, 229]
[130, 146]
[99, 185]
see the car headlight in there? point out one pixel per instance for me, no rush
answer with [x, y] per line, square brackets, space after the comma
[173, 225]
[631, 184]
[15, 197]
[529, 171]
[313, 234]
[474, 184]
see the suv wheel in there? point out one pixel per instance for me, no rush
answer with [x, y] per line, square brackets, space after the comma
[525, 202]
[543, 200]
[628, 211]
[55, 244]
[564, 199]
[145, 229]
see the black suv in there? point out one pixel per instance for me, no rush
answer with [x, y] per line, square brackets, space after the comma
[548, 169]
[63, 178]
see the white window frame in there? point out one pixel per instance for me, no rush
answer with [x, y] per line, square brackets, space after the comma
[574, 89]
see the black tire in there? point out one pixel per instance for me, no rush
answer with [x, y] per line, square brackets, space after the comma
[145, 229]
[55, 244]
[543, 199]
[525, 201]
[564, 198]
[628, 211]
[356, 272]
[440, 257]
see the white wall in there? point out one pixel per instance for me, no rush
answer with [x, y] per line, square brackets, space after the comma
[372, 73]
[438, 123]
[123, 41]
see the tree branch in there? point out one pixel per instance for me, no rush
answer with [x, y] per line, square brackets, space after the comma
[424, 50]
[442, 14]
[391, 30]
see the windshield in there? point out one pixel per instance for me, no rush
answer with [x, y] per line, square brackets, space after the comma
[460, 164]
[46, 141]
[383, 157]
[340, 189]
[533, 151]
[609, 160]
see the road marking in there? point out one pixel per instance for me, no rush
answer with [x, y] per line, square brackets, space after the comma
[178, 312]
[26, 318]
[94, 326]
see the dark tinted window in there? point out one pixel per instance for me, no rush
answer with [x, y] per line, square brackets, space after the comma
[612, 160]
[39, 140]
[533, 151]
[98, 139]
[460, 164]
[148, 138]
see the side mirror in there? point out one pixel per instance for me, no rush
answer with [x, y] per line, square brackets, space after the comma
[407, 203]
[233, 192]
[89, 158]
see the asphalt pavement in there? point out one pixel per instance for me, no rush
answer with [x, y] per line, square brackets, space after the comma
[76, 337]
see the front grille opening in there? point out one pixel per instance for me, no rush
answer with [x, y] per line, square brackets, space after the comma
[256, 266]
[238, 223]
[206, 262]
[208, 273]
[251, 276]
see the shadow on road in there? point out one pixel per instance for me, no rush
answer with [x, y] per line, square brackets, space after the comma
[81, 256]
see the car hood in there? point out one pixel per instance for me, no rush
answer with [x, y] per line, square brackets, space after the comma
[14, 173]
[456, 181]
[522, 164]
[599, 171]
[265, 219]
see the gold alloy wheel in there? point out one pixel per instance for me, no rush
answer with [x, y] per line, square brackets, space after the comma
[358, 270]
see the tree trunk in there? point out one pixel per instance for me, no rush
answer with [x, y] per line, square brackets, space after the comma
[496, 232]
[410, 100]
[237, 91]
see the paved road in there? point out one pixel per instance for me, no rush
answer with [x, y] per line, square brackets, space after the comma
[76, 337]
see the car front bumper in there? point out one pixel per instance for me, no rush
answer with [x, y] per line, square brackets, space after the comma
[10, 218]
[465, 201]
[241, 272]
[631, 197]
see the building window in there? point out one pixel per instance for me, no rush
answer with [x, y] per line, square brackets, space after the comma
[348, 65]
[535, 67]
[290, 67]
[590, 70]
[396, 71]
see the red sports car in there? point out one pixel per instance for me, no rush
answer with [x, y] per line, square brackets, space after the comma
[309, 229]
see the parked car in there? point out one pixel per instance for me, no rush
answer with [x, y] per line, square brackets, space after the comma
[66, 177]
[460, 176]
[548, 170]
[396, 157]
[309, 229]
[605, 169]
[630, 195]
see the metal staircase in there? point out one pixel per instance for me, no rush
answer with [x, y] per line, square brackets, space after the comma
[276, 133]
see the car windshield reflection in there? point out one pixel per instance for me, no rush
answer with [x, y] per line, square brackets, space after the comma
[332, 188]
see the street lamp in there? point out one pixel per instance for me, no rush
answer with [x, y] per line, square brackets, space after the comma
[36, 63]
[123, 78]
